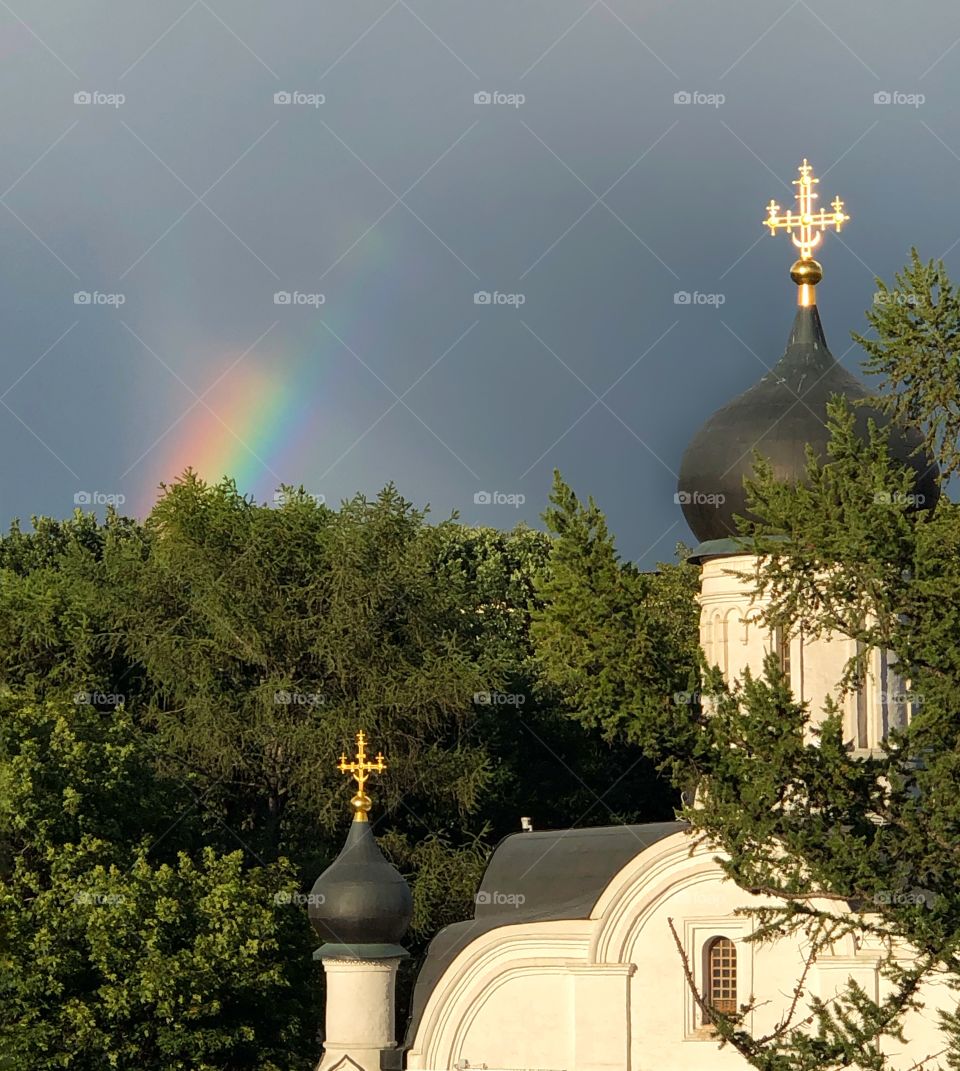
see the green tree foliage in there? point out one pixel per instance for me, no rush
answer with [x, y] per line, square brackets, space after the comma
[119, 947]
[269, 636]
[548, 766]
[915, 354]
[620, 645]
[59, 592]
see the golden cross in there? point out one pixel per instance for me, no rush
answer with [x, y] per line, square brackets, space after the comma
[361, 770]
[809, 224]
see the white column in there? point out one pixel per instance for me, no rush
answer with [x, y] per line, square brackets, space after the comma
[359, 1013]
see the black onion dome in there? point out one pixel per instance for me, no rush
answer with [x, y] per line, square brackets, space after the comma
[778, 417]
[361, 899]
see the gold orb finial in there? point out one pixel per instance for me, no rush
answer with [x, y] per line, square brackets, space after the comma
[806, 272]
[361, 769]
[809, 225]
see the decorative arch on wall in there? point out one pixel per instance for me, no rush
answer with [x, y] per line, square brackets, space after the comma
[751, 619]
[732, 625]
[716, 639]
[629, 900]
[605, 940]
[608, 941]
[721, 642]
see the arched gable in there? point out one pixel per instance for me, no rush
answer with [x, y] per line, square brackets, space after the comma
[641, 886]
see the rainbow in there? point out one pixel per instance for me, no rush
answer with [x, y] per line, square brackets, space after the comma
[270, 407]
[245, 428]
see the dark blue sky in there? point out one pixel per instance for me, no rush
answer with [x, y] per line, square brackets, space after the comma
[593, 195]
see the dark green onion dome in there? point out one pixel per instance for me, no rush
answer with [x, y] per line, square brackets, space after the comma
[361, 899]
[778, 417]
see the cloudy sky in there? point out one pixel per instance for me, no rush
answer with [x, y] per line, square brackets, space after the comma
[249, 237]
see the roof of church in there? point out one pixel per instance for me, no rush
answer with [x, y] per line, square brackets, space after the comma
[778, 417]
[360, 900]
[537, 877]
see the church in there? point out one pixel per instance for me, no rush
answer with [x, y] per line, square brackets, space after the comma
[599, 949]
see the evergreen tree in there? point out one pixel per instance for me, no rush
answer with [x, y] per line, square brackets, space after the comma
[617, 643]
[914, 353]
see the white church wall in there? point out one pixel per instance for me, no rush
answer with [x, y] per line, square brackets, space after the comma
[507, 1001]
[521, 1019]
[734, 638]
[609, 992]
[601, 1012]
[666, 1024]
[923, 1035]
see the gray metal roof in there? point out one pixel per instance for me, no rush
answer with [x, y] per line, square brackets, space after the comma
[537, 877]
[780, 416]
[360, 899]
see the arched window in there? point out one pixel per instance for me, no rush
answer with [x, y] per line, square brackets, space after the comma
[720, 975]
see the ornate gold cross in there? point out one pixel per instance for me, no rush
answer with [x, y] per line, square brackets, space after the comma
[810, 225]
[361, 770]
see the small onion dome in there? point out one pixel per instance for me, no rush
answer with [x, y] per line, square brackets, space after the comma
[778, 417]
[361, 898]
